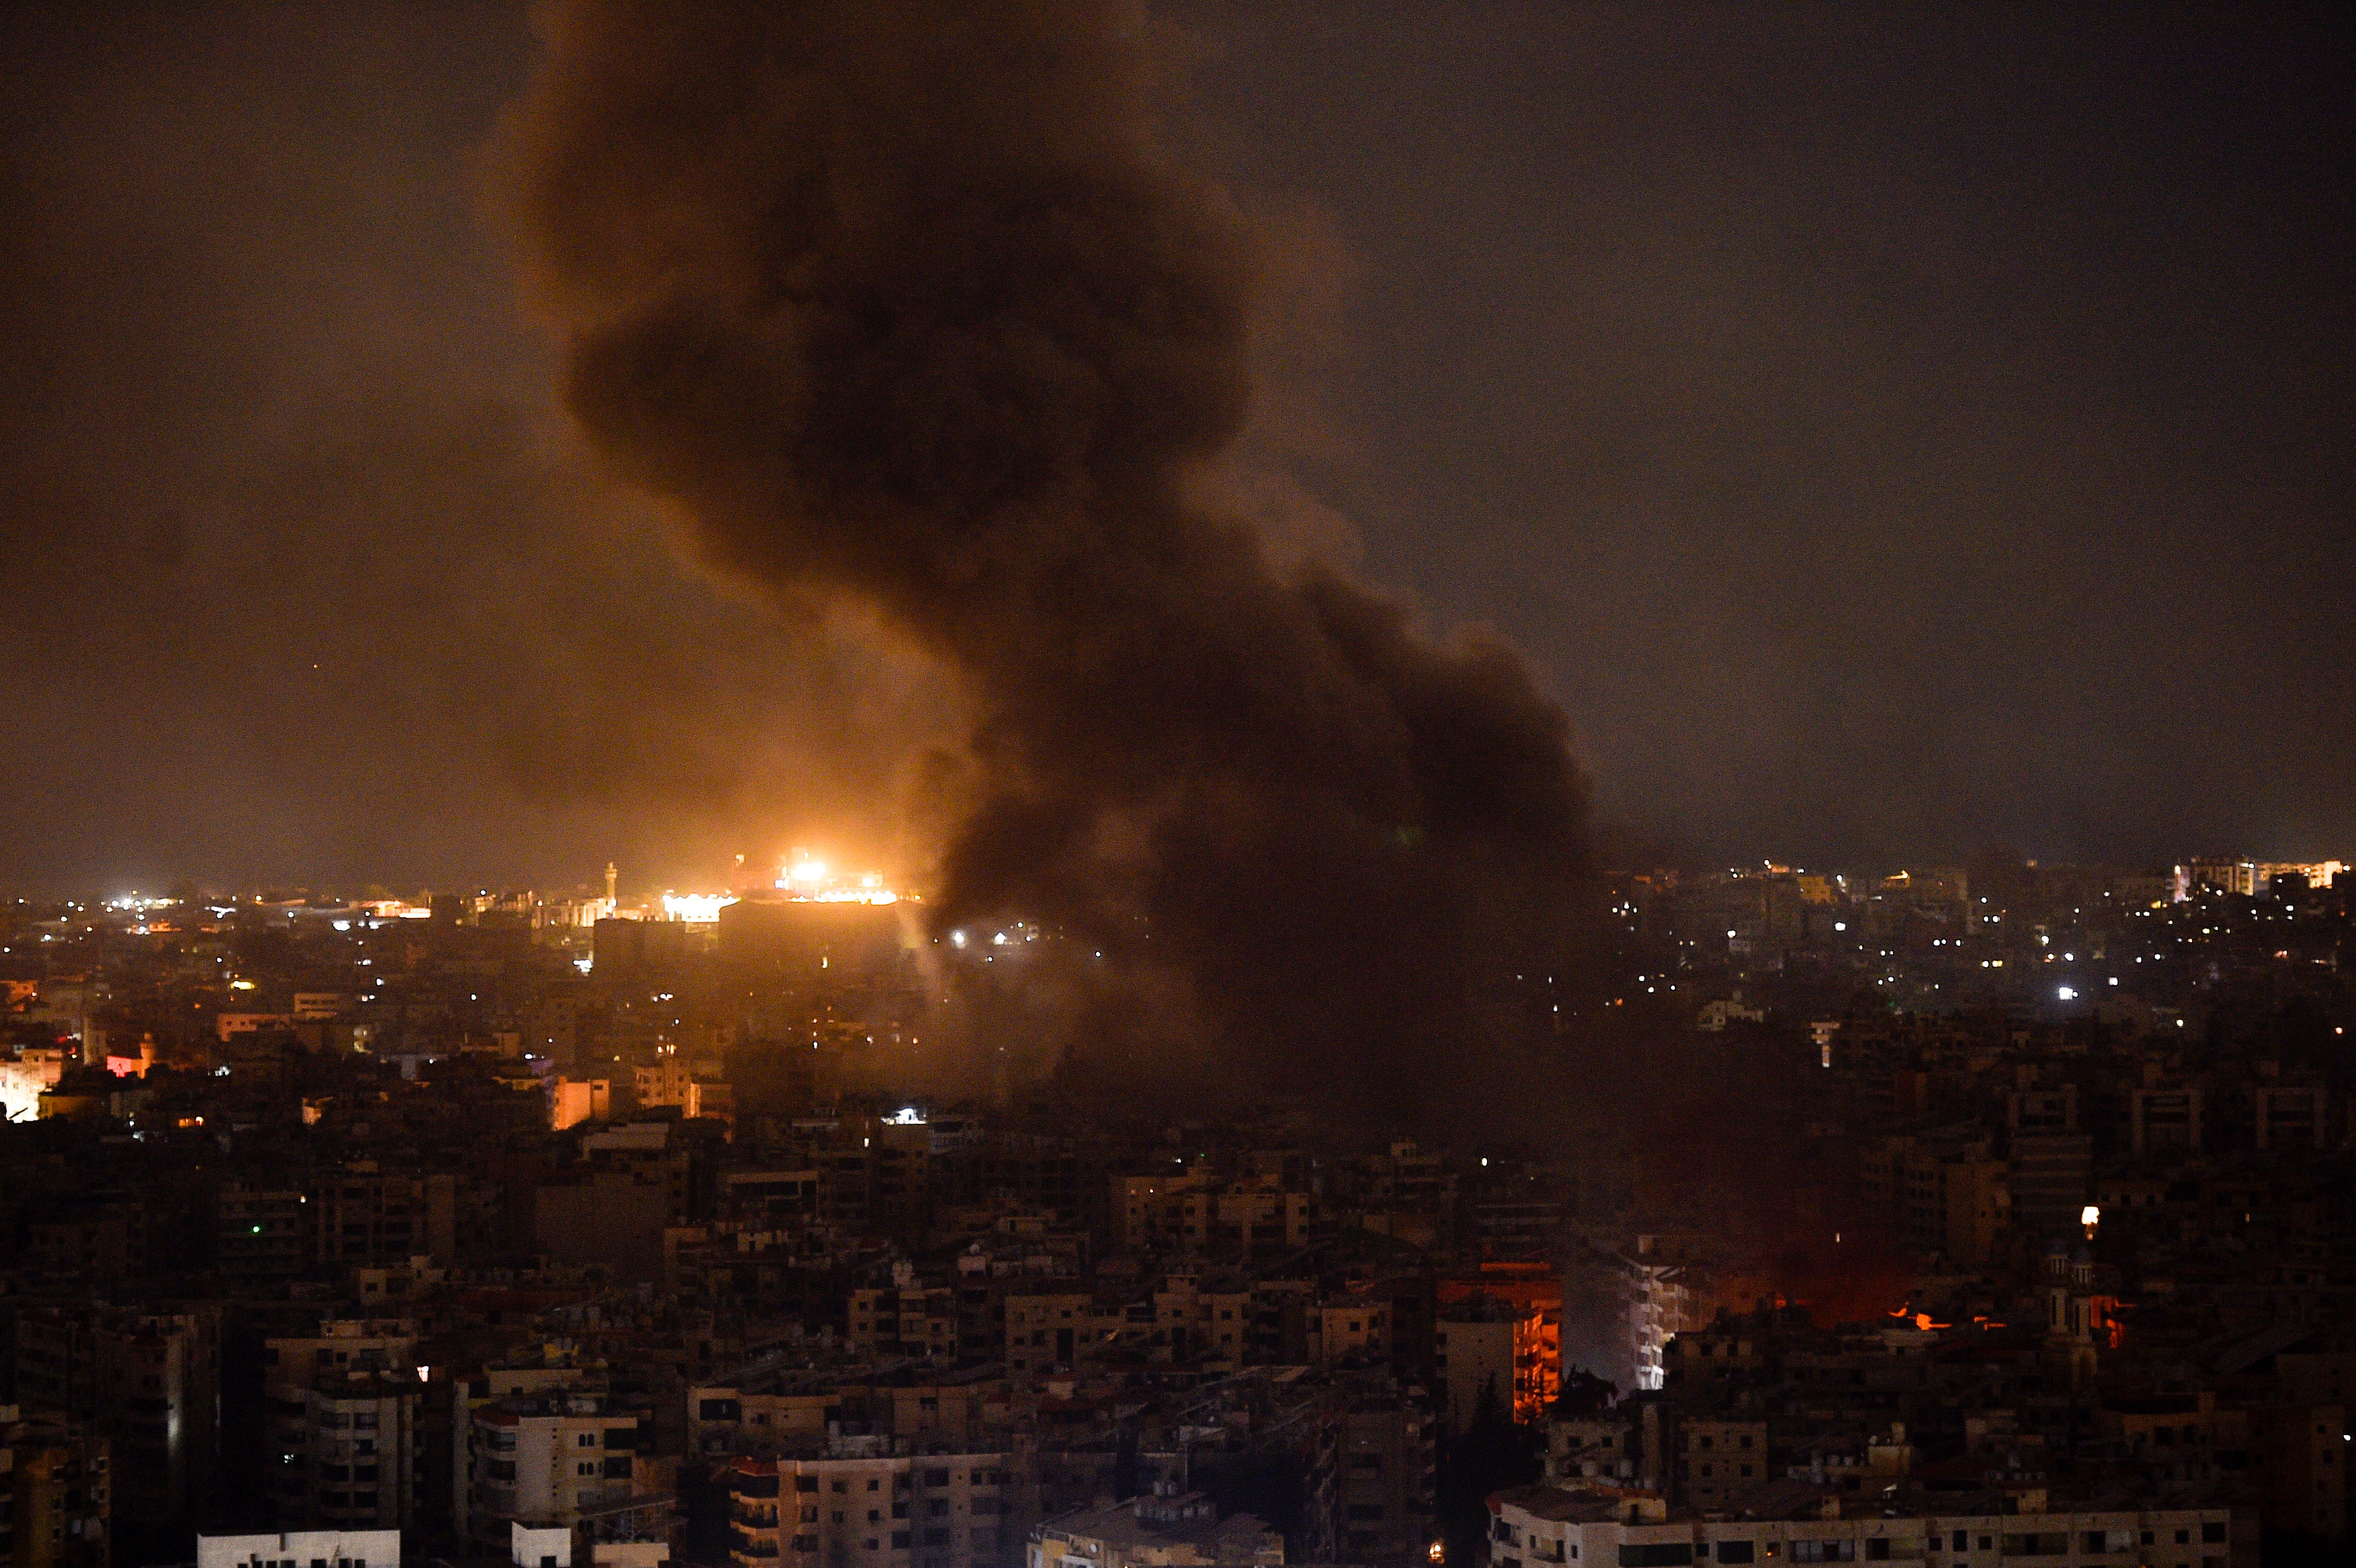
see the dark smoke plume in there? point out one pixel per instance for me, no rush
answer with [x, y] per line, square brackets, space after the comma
[899, 304]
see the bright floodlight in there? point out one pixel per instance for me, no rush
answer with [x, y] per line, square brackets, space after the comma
[808, 871]
[2066, 994]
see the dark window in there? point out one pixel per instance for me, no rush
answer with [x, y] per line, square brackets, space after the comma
[1736, 1551]
[1665, 1554]
[2212, 1531]
[1877, 1548]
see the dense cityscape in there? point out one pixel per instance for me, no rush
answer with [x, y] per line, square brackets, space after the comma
[1976, 1201]
[984, 783]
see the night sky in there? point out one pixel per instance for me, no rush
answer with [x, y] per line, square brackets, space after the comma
[1886, 434]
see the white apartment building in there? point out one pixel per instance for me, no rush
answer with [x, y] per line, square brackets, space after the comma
[1628, 1528]
[301, 1549]
[875, 1511]
[558, 1459]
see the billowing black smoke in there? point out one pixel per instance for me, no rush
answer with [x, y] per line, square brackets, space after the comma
[898, 302]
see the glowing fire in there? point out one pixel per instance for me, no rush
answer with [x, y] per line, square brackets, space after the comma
[695, 909]
[806, 879]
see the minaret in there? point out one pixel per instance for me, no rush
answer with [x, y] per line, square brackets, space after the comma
[610, 875]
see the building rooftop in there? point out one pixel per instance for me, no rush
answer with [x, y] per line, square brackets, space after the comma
[1150, 1524]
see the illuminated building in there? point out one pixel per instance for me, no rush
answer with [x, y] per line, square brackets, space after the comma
[695, 909]
[25, 1077]
[1510, 1353]
[2318, 873]
[573, 1101]
[2224, 876]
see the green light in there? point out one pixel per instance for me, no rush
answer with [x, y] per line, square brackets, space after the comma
[257, 1230]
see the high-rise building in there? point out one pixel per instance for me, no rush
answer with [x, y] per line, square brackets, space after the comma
[55, 1493]
[149, 1382]
[862, 1507]
[260, 1232]
[342, 1411]
[573, 1460]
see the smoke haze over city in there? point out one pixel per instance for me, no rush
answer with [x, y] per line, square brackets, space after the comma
[908, 308]
[1885, 437]
[997, 784]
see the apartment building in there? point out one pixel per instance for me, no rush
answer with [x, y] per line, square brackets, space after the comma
[1792, 1522]
[55, 1493]
[861, 1506]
